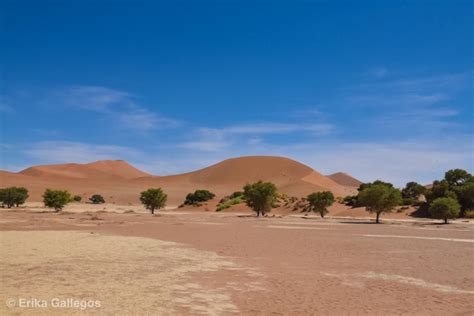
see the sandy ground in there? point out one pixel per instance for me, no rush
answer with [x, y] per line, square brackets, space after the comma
[180, 262]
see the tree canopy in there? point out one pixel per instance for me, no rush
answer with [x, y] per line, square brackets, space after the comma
[56, 199]
[379, 198]
[320, 201]
[153, 198]
[413, 190]
[445, 208]
[260, 196]
[13, 196]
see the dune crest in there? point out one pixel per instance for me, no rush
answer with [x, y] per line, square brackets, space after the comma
[120, 182]
[345, 179]
[93, 170]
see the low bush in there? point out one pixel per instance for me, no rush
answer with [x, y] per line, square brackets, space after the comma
[350, 200]
[76, 198]
[236, 194]
[97, 199]
[469, 214]
[198, 196]
[409, 201]
[56, 199]
[229, 203]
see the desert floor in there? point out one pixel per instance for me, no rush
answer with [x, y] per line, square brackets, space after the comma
[182, 262]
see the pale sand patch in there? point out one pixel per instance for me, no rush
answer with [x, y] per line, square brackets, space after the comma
[295, 227]
[209, 223]
[129, 275]
[401, 279]
[309, 223]
[6, 221]
[419, 237]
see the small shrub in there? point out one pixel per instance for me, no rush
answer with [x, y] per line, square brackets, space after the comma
[76, 198]
[469, 214]
[97, 199]
[350, 200]
[198, 196]
[236, 194]
[56, 199]
[409, 201]
[229, 203]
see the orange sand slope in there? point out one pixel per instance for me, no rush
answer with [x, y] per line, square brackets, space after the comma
[119, 182]
[344, 179]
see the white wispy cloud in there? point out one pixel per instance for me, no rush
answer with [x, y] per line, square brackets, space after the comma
[207, 145]
[219, 139]
[277, 128]
[379, 72]
[65, 151]
[119, 106]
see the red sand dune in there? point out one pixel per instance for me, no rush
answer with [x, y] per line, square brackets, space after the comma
[93, 170]
[344, 179]
[119, 182]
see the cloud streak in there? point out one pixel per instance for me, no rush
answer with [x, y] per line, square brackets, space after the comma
[118, 106]
[65, 152]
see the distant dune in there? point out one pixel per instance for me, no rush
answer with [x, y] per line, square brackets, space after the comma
[94, 170]
[120, 182]
[344, 179]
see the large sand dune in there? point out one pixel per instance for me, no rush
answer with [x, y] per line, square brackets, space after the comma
[119, 182]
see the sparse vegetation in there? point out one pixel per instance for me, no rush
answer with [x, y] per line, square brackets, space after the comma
[76, 198]
[13, 196]
[56, 199]
[198, 197]
[97, 199]
[409, 201]
[350, 200]
[379, 198]
[227, 203]
[236, 194]
[412, 192]
[260, 196]
[445, 208]
[320, 201]
[458, 184]
[153, 198]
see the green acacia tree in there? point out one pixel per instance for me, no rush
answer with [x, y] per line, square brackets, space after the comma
[379, 198]
[260, 196]
[445, 208]
[320, 201]
[13, 196]
[456, 177]
[153, 198]
[413, 190]
[465, 194]
[56, 199]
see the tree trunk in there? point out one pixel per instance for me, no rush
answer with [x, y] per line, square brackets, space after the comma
[152, 210]
[377, 218]
[446, 220]
[322, 214]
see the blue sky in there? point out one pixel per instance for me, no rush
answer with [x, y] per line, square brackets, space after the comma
[379, 89]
